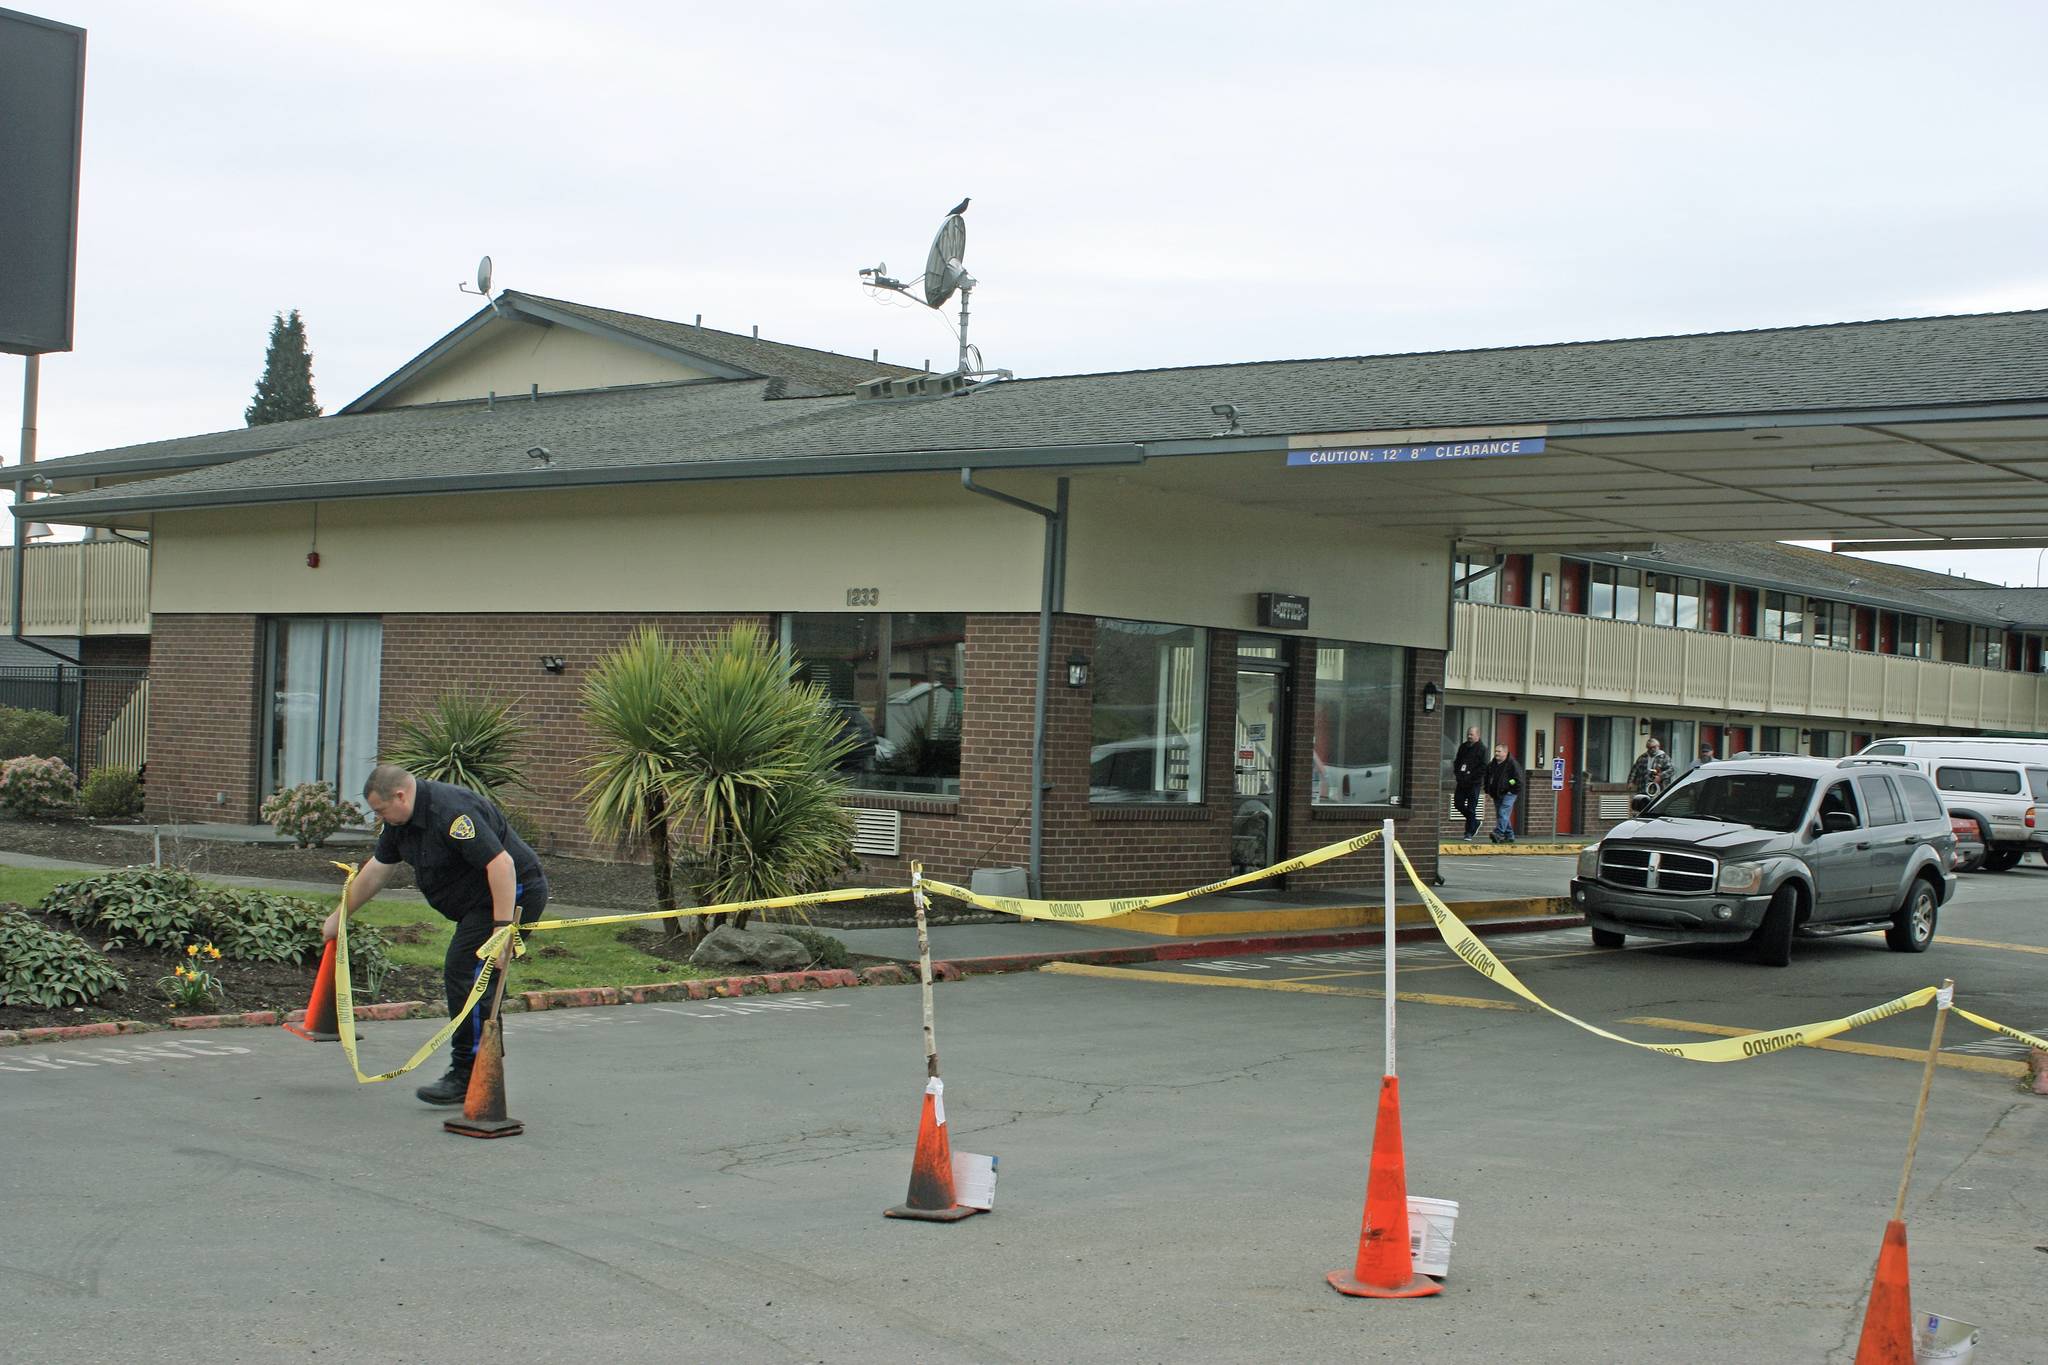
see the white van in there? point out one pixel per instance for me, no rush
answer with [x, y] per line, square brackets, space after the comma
[2007, 800]
[1959, 746]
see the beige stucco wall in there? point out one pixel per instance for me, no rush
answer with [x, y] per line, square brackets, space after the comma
[509, 356]
[1139, 552]
[750, 545]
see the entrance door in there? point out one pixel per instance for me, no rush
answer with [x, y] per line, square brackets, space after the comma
[1569, 737]
[1710, 739]
[1259, 766]
[1739, 740]
[1511, 728]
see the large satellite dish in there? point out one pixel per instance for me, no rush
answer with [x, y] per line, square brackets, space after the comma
[944, 266]
[483, 276]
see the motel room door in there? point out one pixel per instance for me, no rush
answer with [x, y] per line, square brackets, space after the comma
[1570, 735]
[1512, 729]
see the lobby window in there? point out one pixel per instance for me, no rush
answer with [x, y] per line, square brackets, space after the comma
[1360, 725]
[1615, 593]
[1150, 690]
[1675, 601]
[1475, 579]
[322, 676]
[1833, 624]
[899, 681]
[1784, 617]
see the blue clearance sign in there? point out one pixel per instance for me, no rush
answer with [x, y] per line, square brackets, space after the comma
[1436, 450]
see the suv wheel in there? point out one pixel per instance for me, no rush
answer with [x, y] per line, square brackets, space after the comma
[1608, 938]
[2001, 859]
[1772, 941]
[1913, 927]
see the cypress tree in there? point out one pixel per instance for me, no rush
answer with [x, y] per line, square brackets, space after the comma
[285, 392]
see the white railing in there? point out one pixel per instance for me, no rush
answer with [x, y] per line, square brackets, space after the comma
[80, 587]
[1585, 658]
[126, 742]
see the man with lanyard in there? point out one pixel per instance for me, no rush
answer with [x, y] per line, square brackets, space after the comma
[471, 867]
[1652, 770]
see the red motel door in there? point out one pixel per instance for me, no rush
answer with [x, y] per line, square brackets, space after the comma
[1717, 606]
[1573, 598]
[1568, 735]
[1861, 637]
[1888, 633]
[1738, 739]
[1514, 580]
[1745, 611]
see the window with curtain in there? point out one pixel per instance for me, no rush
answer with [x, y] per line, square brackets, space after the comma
[1784, 618]
[323, 674]
[899, 683]
[1150, 690]
[1833, 624]
[1615, 593]
[1676, 601]
[1610, 747]
[1360, 725]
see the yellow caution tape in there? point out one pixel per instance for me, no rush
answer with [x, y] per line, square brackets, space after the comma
[1108, 909]
[1994, 1026]
[1480, 958]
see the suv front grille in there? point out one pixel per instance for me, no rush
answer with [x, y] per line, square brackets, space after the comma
[1657, 869]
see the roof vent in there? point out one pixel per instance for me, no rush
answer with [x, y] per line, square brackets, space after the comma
[912, 386]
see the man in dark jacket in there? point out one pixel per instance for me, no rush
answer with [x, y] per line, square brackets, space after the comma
[1504, 785]
[1468, 770]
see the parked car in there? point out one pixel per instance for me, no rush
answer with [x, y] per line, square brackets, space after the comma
[2002, 798]
[2006, 747]
[1968, 854]
[1764, 849]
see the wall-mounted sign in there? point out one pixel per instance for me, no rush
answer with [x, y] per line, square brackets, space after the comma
[1435, 450]
[1283, 611]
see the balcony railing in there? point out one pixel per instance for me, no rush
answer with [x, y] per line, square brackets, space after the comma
[80, 587]
[1586, 658]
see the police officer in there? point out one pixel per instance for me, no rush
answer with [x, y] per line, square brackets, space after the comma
[471, 867]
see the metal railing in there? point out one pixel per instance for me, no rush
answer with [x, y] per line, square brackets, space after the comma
[1586, 658]
[80, 587]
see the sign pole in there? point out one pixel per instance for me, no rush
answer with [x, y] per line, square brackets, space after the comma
[1387, 888]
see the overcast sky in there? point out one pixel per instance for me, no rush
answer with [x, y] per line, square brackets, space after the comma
[1153, 183]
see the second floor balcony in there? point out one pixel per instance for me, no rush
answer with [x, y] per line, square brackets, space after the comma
[79, 588]
[1583, 658]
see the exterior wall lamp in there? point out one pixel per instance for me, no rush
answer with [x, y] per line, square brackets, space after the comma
[553, 663]
[1431, 695]
[1643, 726]
[1077, 670]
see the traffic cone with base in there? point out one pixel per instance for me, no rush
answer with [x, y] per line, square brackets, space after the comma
[931, 1167]
[1386, 1266]
[1888, 1321]
[322, 1023]
[483, 1108]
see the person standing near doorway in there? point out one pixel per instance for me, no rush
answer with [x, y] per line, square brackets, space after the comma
[1468, 771]
[1504, 785]
[1652, 771]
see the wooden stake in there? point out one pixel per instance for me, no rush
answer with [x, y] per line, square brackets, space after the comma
[924, 968]
[1926, 1084]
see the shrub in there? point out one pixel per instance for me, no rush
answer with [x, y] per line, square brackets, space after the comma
[26, 733]
[525, 825]
[146, 906]
[308, 813]
[468, 740]
[826, 951]
[111, 794]
[36, 786]
[45, 967]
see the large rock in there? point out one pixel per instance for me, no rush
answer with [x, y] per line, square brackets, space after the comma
[725, 948]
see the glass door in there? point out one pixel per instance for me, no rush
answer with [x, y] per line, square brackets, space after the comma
[324, 675]
[1259, 760]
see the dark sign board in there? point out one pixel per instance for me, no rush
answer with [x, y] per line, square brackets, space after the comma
[1283, 611]
[42, 101]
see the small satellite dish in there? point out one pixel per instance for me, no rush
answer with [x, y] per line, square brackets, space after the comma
[944, 266]
[483, 276]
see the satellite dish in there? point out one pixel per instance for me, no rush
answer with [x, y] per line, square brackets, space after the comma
[483, 276]
[943, 267]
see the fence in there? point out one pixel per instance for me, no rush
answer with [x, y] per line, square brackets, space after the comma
[106, 710]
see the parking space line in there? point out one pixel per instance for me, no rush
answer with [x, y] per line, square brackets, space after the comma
[1468, 1002]
[1988, 1065]
[1991, 943]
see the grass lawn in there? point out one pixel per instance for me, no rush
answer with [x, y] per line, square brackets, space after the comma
[555, 961]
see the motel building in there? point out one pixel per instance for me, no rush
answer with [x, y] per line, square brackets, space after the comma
[1129, 631]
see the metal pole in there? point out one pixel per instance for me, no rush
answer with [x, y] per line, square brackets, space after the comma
[1942, 1002]
[966, 291]
[924, 968]
[1387, 889]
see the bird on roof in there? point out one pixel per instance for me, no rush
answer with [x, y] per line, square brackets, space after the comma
[960, 208]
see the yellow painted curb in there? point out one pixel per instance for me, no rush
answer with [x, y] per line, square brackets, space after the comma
[1213, 923]
[1960, 1061]
[1449, 849]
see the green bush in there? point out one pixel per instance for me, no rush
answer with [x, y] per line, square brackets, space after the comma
[26, 733]
[524, 824]
[45, 967]
[142, 906]
[826, 951]
[466, 740]
[36, 786]
[111, 794]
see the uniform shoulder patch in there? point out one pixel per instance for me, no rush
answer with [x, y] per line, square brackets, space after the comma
[463, 828]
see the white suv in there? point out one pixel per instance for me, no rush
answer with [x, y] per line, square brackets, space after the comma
[2008, 801]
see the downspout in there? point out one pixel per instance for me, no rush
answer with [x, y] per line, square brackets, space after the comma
[1051, 586]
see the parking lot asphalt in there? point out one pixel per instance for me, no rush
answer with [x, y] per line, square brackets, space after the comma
[1180, 1165]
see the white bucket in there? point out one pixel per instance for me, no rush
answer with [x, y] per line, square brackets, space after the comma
[1938, 1338]
[1430, 1223]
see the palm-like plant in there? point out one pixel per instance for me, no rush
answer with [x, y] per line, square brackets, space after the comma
[469, 740]
[629, 703]
[753, 773]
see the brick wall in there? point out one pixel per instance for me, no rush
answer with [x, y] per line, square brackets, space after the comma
[203, 738]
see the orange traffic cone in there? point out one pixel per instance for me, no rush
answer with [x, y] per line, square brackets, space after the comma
[1888, 1321]
[1386, 1264]
[483, 1107]
[322, 1024]
[931, 1167]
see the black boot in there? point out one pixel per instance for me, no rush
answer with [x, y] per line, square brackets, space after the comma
[450, 1089]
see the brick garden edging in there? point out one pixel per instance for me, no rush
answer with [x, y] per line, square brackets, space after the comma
[780, 983]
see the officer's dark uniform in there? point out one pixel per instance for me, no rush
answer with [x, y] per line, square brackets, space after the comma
[452, 836]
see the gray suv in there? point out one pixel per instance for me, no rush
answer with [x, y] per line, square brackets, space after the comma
[1761, 847]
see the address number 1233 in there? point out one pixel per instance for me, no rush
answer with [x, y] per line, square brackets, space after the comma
[863, 597]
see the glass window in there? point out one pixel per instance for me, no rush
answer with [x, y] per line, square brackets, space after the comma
[1989, 781]
[1475, 579]
[1459, 719]
[1829, 744]
[1879, 800]
[1150, 688]
[1920, 797]
[1359, 724]
[1610, 748]
[899, 683]
[1759, 800]
[1615, 593]
[1784, 617]
[1679, 740]
[324, 675]
[1676, 601]
[1840, 798]
[2037, 782]
[1780, 739]
[1833, 624]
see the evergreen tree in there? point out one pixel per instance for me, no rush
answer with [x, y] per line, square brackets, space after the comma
[285, 392]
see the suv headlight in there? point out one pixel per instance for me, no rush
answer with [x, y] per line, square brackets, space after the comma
[1589, 861]
[1741, 879]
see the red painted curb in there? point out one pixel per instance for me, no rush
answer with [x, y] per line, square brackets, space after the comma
[251, 1019]
[65, 1032]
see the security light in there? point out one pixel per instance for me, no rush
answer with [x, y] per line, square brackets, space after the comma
[1228, 412]
[542, 456]
[1077, 669]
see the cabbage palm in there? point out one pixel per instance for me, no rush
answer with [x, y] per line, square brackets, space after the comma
[468, 740]
[753, 773]
[628, 704]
